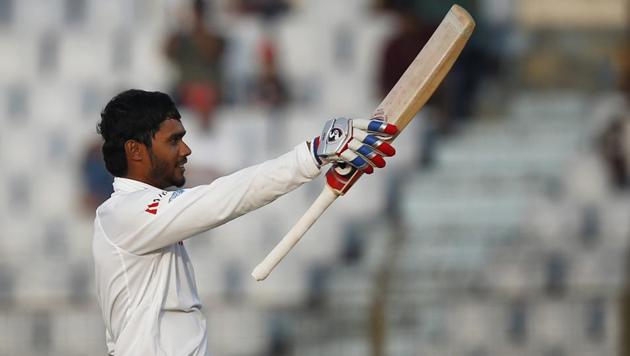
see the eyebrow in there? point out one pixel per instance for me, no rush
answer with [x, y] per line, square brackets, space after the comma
[177, 135]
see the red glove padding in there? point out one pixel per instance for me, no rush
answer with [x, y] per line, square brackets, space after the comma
[360, 143]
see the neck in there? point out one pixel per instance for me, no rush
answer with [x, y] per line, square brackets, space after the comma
[144, 179]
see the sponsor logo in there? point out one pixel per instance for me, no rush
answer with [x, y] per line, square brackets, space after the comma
[334, 134]
[152, 207]
[175, 194]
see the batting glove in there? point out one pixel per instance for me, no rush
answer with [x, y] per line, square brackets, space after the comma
[360, 143]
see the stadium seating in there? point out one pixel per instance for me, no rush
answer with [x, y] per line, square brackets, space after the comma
[510, 245]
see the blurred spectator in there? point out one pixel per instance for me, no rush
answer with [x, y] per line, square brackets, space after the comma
[97, 181]
[402, 48]
[612, 149]
[268, 9]
[455, 98]
[623, 70]
[399, 51]
[196, 53]
[269, 89]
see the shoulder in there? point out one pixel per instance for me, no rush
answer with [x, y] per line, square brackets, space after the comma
[126, 208]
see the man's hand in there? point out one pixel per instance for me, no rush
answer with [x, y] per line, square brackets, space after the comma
[360, 143]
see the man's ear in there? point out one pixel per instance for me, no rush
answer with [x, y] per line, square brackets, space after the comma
[134, 150]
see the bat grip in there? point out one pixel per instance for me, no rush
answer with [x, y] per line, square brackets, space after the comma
[294, 235]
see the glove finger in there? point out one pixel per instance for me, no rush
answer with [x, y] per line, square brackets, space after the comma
[381, 146]
[375, 126]
[366, 152]
[356, 161]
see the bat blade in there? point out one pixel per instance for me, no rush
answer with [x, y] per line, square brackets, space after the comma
[428, 69]
[400, 106]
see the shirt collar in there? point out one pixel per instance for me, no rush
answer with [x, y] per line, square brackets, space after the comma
[126, 185]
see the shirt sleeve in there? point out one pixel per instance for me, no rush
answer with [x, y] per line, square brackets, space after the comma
[109, 341]
[158, 218]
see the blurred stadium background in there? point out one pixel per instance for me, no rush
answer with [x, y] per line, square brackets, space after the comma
[501, 228]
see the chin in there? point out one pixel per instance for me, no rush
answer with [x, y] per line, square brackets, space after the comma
[179, 182]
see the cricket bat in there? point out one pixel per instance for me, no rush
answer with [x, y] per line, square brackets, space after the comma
[399, 107]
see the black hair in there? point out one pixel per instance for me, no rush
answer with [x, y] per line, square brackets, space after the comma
[132, 115]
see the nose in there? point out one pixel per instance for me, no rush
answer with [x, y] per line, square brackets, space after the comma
[186, 150]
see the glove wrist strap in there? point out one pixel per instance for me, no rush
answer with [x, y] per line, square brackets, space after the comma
[313, 146]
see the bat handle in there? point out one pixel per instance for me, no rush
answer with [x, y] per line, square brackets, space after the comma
[294, 235]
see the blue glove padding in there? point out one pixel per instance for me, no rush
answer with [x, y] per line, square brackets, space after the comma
[360, 143]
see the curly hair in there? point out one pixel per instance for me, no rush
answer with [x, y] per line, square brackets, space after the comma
[132, 115]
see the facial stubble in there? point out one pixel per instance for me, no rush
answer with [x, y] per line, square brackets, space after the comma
[160, 172]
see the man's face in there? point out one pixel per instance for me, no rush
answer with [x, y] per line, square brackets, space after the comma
[168, 155]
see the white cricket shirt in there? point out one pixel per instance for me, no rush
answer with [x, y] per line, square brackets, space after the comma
[144, 278]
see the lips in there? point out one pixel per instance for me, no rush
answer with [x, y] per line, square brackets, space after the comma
[181, 164]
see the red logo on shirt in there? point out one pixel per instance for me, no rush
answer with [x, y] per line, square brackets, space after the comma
[153, 207]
